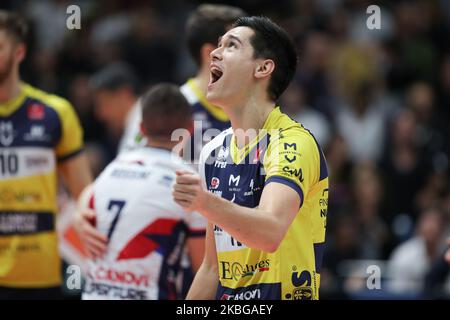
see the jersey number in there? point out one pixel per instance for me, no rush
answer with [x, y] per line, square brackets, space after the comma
[116, 207]
[9, 163]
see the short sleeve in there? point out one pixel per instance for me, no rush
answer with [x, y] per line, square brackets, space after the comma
[292, 159]
[71, 140]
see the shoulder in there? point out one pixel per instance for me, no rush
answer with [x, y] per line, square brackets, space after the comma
[293, 137]
[59, 104]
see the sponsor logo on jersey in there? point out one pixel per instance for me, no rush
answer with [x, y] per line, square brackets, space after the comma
[252, 189]
[130, 174]
[302, 282]
[245, 295]
[221, 160]
[9, 196]
[258, 153]
[6, 133]
[122, 277]
[113, 291]
[36, 111]
[236, 271]
[298, 173]
[33, 161]
[234, 180]
[37, 133]
[215, 183]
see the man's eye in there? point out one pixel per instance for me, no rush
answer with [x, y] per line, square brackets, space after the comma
[232, 44]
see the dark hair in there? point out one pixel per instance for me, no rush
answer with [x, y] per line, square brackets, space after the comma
[207, 24]
[15, 25]
[114, 77]
[164, 109]
[272, 42]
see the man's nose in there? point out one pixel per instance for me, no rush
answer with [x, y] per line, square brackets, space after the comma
[216, 54]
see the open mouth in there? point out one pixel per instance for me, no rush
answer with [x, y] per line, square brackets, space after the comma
[216, 74]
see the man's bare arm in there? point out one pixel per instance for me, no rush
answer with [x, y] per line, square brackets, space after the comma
[261, 228]
[205, 283]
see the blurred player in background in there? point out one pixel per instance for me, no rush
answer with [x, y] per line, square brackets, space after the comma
[116, 96]
[39, 134]
[145, 228]
[203, 27]
[265, 196]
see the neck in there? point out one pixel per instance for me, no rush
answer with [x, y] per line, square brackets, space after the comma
[10, 88]
[160, 144]
[202, 79]
[252, 116]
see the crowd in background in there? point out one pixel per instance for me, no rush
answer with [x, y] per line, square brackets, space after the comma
[378, 101]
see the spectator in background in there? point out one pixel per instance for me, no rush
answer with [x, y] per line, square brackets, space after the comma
[404, 168]
[340, 167]
[314, 73]
[411, 260]
[116, 94]
[293, 103]
[344, 245]
[420, 99]
[362, 112]
[148, 47]
[366, 208]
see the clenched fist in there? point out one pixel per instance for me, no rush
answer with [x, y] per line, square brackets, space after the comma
[188, 191]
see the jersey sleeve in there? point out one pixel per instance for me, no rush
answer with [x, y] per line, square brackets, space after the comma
[292, 159]
[71, 140]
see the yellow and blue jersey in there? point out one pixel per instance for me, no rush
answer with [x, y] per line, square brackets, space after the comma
[283, 152]
[37, 130]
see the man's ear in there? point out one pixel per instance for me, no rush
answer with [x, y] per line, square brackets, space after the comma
[20, 52]
[264, 68]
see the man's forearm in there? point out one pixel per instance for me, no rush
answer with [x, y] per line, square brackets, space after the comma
[250, 226]
[205, 283]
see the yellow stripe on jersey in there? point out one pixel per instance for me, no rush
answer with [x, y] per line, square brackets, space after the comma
[9, 107]
[215, 111]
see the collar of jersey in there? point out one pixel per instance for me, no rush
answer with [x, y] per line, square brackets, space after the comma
[12, 105]
[238, 155]
[215, 111]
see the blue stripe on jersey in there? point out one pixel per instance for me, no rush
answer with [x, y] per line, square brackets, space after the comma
[70, 155]
[323, 163]
[25, 223]
[288, 183]
[318, 254]
[262, 291]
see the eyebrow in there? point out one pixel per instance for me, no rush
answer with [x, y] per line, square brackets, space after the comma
[232, 37]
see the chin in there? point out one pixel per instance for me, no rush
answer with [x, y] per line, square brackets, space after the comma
[213, 98]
